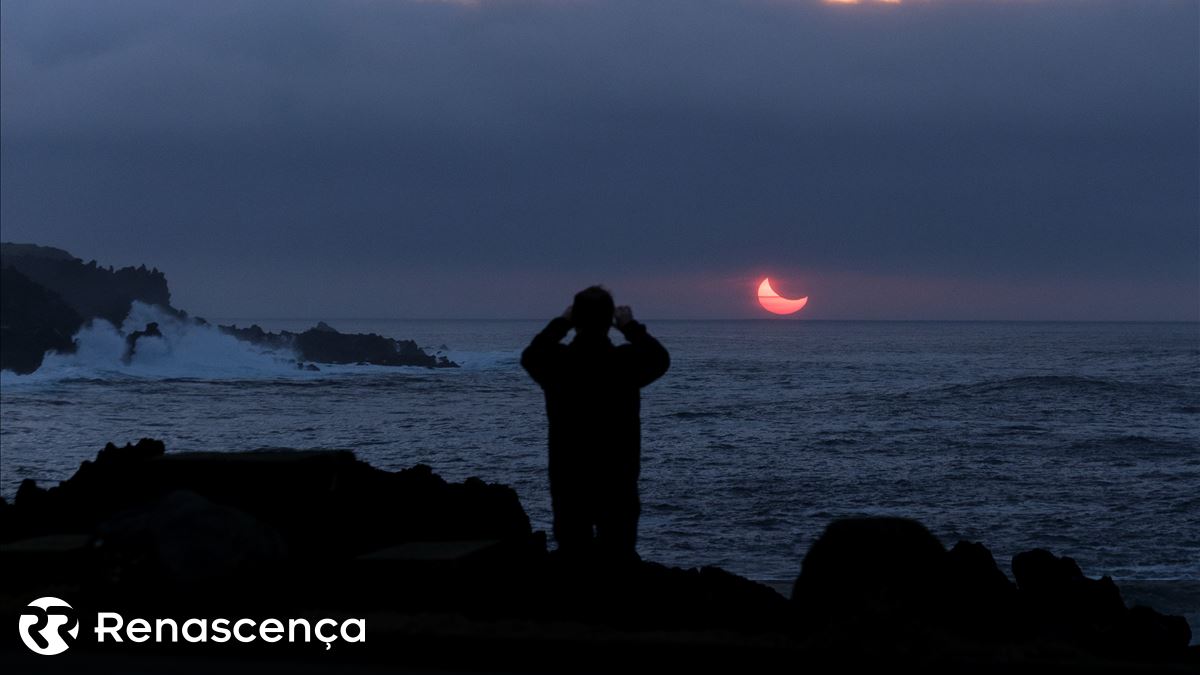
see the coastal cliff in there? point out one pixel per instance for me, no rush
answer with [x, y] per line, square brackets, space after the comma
[89, 289]
[33, 320]
[49, 294]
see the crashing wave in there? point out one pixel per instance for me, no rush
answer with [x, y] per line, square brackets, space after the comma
[185, 349]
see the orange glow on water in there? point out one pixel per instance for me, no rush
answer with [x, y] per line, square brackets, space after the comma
[774, 303]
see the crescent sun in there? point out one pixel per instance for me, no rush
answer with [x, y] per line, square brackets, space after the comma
[774, 303]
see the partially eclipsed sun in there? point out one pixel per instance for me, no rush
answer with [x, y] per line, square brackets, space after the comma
[772, 302]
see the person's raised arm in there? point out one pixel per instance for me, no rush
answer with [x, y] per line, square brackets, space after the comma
[650, 359]
[538, 357]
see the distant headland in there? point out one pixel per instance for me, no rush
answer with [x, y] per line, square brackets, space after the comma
[47, 295]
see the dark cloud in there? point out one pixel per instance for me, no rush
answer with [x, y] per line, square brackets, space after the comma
[940, 159]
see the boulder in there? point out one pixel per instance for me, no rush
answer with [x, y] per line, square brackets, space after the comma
[151, 330]
[1063, 603]
[183, 538]
[864, 574]
[976, 597]
[863, 568]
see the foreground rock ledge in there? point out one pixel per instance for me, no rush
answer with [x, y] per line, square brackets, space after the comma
[454, 576]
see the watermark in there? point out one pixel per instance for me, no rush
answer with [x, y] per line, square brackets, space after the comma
[109, 625]
[44, 623]
[46, 620]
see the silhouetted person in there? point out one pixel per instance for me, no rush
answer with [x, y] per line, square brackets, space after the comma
[593, 404]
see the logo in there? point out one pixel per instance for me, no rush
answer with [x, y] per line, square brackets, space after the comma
[50, 626]
[44, 623]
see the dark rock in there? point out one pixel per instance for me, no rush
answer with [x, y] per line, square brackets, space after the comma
[48, 294]
[91, 291]
[971, 569]
[864, 573]
[184, 538]
[870, 567]
[641, 596]
[1058, 589]
[324, 344]
[325, 504]
[1063, 603]
[169, 524]
[1147, 631]
[283, 531]
[33, 320]
[33, 251]
[977, 598]
[254, 334]
[151, 330]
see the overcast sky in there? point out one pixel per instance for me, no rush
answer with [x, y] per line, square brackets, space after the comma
[986, 159]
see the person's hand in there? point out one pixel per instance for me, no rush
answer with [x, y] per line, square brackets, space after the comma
[622, 315]
[567, 313]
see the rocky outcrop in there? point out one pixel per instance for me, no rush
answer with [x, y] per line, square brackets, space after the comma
[324, 504]
[257, 526]
[867, 572]
[1060, 601]
[49, 294]
[33, 320]
[324, 344]
[870, 567]
[450, 569]
[187, 539]
[92, 291]
[151, 330]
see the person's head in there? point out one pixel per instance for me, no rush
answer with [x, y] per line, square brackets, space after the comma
[592, 312]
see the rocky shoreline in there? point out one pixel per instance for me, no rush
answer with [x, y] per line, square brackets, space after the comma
[325, 344]
[453, 576]
[47, 295]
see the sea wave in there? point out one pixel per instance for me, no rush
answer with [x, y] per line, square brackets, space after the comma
[186, 351]
[1128, 442]
[481, 360]
[1073, 384]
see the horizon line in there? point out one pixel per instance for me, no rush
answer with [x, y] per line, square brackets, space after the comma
[677, 319]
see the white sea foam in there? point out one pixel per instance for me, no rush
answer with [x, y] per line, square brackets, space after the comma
[185, 350]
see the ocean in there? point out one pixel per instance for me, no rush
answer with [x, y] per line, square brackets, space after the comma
[1081, 438]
